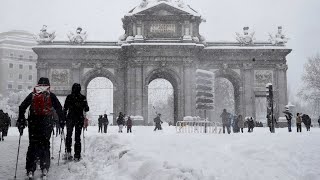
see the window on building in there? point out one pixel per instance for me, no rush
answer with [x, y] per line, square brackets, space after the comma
[20, 76]
[11, 76]
[20, 66]
[9, 86]
[11, 54]
[29, 87]
[30, 67]
[20, 57]
[10, 65]
[30, 77]
[19, 86]
[30, 57]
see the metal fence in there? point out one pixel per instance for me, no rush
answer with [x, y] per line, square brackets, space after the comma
[198, 127]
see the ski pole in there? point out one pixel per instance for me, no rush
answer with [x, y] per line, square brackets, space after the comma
[62, 134]
[52, 139]
[15, 173]
[84, 143]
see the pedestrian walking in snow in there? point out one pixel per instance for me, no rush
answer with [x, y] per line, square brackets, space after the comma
[306, 121]
[250, 124]
[289, 118]
[298, 122]
[40, 125]
[158, 122]
[235, 127]
[2, 124]
[240, 123]
[100, 123]
[105, 122]
[129, 125]
[225, 121]
[319, 121]
[75, 107]
[120, 122]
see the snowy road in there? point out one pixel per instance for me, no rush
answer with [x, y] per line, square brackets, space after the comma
[148, 155]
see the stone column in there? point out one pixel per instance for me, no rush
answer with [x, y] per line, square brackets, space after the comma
[282, 87]
[189, 87]
[139, 35]
[187, 36]
[42, 69]
[248, 92]
[76, 73]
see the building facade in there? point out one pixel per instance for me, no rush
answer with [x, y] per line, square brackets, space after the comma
[162, 40]
[17, 61]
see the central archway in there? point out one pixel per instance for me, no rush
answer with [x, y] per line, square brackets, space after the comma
[103, 73]
[174, 80]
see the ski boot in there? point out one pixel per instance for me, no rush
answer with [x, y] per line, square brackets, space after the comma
[44, 174]
[30, 175]
[68, 156]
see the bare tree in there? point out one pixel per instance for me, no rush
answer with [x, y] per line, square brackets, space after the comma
[310, 90]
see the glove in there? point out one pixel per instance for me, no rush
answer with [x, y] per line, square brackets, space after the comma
[21, 127]
[62, 124]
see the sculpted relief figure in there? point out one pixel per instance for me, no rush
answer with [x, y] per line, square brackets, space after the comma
[44, 36]
[78, 38]
[246, 38]
[279, 38]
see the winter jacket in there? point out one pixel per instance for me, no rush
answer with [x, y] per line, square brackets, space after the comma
[157, 120]
[240, 122]
[298, 120]
[225, 117]
[75, 104]
[250, 123]
[129, 123]
[105, 121]
[120, 120]
[100, 121]
[32, 116]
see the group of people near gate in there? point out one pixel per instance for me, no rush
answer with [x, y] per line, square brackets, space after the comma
[103, 123]
[238, 123]
[5, 122]
[45, 111]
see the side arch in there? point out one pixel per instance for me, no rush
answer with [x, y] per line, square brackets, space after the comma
[235, 80]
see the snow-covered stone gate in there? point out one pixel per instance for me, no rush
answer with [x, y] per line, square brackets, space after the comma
[162, 40]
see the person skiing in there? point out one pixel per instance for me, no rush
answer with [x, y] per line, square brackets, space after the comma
[100, 123]
[105, 122]
[129, 125]
[158, 122]
[120, 122]
[250, 124]
[40, 125]
[225, 121]
[298, 122]
[75, 107]
[240, 123]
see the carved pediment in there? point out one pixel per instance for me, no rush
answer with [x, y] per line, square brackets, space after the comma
[164, 9]
[162, 12]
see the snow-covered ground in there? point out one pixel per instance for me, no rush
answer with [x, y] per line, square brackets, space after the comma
[166, 155]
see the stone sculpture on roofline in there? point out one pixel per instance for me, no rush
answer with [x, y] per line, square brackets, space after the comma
[78, 38]
[279, 38]
[246, 38]
[44, 36]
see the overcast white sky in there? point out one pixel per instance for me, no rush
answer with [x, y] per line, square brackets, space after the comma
[102, 20]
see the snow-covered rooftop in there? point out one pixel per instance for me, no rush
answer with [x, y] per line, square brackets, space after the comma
[178, 4]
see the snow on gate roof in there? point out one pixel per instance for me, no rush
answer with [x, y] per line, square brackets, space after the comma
[173, 3]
